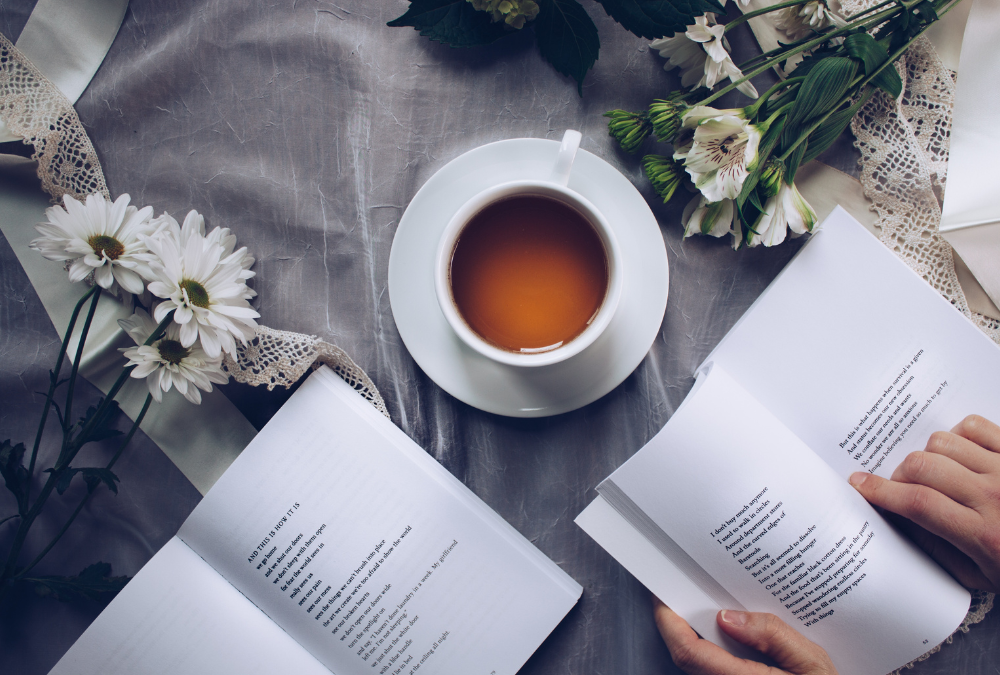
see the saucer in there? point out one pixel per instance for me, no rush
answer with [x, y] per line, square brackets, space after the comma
[511, 390]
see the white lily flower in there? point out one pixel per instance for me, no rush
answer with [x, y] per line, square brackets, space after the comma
[203, 282]
[702, 54]
[712, 218]
[167, 363]
[98, 236]
[785, 210]
[722, 151]
[803, 20]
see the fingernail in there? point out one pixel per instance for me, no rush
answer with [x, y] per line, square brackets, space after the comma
[734, 618]
[858, 478]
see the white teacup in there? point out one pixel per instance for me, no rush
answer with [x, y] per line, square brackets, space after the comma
[554, 188]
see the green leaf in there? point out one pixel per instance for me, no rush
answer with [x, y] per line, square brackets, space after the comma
[889, 81]
[93, 583]
[15, 476]
[863, 47]
[823, 138]
[95, 476]
[92, 476]
[755, 201]
[102, 429]
[794, 160]
[567, 38]
[454, 22]
[872, 54]
[824, 86]
[653, 19]
[65, 479]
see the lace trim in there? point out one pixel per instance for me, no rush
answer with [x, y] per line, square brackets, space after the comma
[904, 165]
[279, 358]
[34, 108]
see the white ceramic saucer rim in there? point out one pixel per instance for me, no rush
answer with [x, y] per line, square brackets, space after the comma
[507, 390]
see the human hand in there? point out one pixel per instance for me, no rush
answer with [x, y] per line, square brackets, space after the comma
[794, 654]
[949, 495]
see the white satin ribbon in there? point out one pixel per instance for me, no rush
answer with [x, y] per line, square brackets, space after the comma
[67, 41]
[970, 218]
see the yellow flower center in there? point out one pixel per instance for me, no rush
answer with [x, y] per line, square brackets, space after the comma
[172, 351]
[196, 293]
[109, 246]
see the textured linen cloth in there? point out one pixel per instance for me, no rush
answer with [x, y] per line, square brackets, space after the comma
[306, 127]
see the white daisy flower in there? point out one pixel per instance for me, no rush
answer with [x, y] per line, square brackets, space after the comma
[98, 236]
[194, 225]
[203, 282]
[167, 363]
[702, 54]
[712, 218]
[803, 20]
[721, 153]
[785, 210]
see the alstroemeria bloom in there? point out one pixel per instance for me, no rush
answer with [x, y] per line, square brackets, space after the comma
[802, 20]
[722, 151]
[702, 54]
[703, 217]
[786, 210]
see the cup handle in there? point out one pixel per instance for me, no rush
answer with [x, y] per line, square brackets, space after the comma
[564, 160]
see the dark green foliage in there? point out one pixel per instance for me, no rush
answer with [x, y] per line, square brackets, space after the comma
[15, 476]
[453, 22]
[567, 38]
[93, 583]
[566, 35]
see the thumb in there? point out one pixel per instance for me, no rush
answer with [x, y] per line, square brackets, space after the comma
[771, 636]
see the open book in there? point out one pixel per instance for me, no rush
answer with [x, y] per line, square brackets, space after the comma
[332, 544]
[847, 362]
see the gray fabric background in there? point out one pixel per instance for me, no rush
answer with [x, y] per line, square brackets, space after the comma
[306, 127]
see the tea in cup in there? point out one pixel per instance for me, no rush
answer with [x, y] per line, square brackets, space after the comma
[528, 272]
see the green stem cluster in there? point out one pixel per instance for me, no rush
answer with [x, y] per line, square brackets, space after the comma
[74, 436]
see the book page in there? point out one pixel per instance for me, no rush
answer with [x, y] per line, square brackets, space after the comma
[368, 552]
[770, 523]
[858, 356]
[179, 616]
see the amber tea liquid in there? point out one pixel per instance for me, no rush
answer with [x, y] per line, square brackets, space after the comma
[529, 273]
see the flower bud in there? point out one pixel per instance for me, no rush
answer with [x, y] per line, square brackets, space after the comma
[664, 173]
[666, 117]
[771, 177]
[629, 129]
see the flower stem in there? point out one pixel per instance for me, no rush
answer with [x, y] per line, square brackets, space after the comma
[120, 382]
[855, 90]
[55, 380]
[68, 453]
[878, 18]
[90, 492]
[68, 408]
[754, 108]
[765, 10]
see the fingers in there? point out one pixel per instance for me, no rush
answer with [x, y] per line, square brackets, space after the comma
[694, 655]
[964, 451]
[980, 431]
[962, 567]
[769, 635]
[926, 507]
[943, 474]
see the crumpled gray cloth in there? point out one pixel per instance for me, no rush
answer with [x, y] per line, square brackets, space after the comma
[306, 127]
